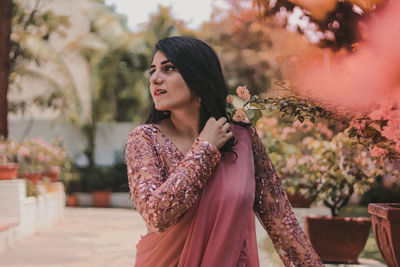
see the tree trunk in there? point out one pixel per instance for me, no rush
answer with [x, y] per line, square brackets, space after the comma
[5, 31]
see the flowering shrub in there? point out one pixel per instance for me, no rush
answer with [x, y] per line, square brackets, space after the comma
[34, 155]
[8, 151]
[31, 157]
[54, 152]
[310, 157]
[286, 143]
[336, 169]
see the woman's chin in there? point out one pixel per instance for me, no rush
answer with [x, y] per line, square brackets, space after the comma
[161, 108]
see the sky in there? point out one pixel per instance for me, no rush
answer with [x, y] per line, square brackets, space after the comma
[194, 12]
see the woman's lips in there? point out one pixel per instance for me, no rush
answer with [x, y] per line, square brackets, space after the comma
[159, 92]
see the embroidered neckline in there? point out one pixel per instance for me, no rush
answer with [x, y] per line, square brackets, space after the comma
[168, 140]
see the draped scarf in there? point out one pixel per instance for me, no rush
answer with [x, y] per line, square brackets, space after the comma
[217, 231]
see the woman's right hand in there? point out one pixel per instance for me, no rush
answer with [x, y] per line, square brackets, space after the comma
[216, 131]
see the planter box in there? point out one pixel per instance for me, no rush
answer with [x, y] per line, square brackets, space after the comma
[386, 225]
[337, 239]
[121, 200]
[8, 171]
[84, 199]
[101, 198]
[117, 200]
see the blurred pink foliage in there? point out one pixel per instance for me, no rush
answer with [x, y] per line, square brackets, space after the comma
[377, 152]
[366, 83]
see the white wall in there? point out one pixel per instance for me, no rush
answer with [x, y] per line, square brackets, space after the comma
[110, 138]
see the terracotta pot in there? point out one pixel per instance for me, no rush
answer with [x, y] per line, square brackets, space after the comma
[34, 177]
[386, 225]
[52, 173]
[8, 171]
[101, 198]
[299, 201]
[72, 201]
[337, 239]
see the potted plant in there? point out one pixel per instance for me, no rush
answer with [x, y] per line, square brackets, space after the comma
[72, 186]
[287, 141]
[71, 178]
[32, 160]
[336, 170]
[8, 159]
[99, 183]
[56, 155]
[386, 225]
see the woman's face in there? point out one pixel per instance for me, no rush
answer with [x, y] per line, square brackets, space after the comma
[167, 87]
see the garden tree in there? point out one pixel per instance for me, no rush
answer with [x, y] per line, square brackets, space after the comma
[32, 28]
[343, 88]
[330, 23]
[162, 24]
[255, 50]
[118, 61]
[5, 30]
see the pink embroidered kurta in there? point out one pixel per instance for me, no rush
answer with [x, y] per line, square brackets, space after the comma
[199, 208]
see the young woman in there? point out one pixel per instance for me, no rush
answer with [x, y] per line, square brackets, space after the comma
[198, 178]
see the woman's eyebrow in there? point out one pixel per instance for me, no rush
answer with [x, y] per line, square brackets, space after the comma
[162, 63]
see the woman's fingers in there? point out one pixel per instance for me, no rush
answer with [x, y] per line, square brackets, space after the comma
[222, 120]
[226, 127]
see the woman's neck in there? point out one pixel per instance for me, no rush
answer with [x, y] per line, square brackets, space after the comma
[186, 123]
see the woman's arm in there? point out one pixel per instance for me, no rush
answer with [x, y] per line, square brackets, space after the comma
[162, 204]
[275, 213]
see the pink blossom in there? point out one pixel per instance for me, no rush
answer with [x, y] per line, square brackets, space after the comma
[243, 93]
[377, 152]
[42, 158]
[270, 122]
[359, 160]
[307, 140]
[24, 151]
[322, 128]
[359, 126]
[397, 146]
[240, 115]
[391, 132]
[291, 163]
[229, 99]
[286, 131]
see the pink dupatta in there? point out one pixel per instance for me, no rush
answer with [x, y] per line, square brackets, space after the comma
[216, 230]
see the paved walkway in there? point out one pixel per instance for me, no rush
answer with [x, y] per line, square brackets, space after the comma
[98, 237]
[86, 237]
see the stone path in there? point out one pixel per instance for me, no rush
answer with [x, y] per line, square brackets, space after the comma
[99, 237]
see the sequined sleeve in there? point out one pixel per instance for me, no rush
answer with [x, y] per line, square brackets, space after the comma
[275, 212]
[163, 200]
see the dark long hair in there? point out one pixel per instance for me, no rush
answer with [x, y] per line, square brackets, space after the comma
[200, 68]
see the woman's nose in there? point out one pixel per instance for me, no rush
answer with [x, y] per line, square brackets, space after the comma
[155, 78]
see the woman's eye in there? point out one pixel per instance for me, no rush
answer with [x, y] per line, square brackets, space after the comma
[169, 68]
[151, 71]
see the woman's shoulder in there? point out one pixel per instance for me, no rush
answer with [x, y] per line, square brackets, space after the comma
[244, 127]
[142, 130]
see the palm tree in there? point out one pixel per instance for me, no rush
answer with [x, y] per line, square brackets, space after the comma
[32, 28]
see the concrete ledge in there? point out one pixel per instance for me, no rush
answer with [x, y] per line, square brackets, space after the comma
[118, 200]
[22, 216]
[6, 223]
